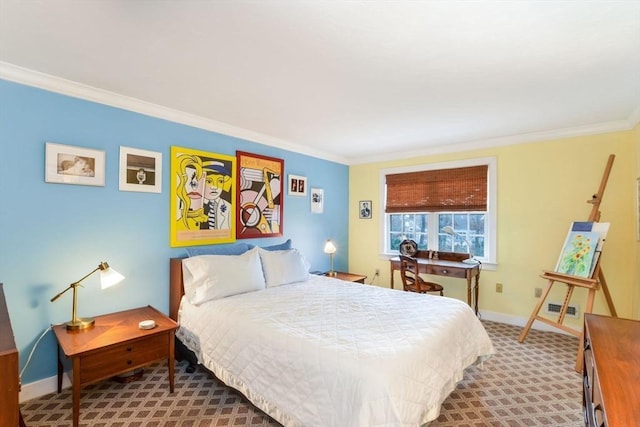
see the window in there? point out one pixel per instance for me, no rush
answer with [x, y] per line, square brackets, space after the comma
[415, 226]
[420, 202]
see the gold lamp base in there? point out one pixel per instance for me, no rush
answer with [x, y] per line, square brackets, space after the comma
[74, 325]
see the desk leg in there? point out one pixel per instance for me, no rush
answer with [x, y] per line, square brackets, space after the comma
[392, 270]
[469, 287]
[477, 292]
[76, 391]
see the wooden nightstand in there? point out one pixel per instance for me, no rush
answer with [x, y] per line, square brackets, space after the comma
[114, 345]
[348, 277]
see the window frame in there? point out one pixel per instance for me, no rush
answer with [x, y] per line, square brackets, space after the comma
[491, 232]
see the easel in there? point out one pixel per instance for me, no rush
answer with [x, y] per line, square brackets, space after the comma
[572, 281]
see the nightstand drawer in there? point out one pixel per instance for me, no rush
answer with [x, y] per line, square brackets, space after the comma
[446, 271]
[123, 357]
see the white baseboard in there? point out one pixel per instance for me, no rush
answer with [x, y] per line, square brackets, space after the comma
[41, 387]
[519, 321]
[50, 385]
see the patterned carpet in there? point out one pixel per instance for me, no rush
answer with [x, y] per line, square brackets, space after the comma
[528, 384]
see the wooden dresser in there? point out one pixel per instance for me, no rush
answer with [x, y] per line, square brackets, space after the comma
[611, 372]
[9, 370]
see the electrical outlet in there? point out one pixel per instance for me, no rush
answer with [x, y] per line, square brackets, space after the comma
[538, 292]
[377, 272]
[499, 288]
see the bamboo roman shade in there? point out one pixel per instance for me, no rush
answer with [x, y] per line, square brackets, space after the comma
[450, 190]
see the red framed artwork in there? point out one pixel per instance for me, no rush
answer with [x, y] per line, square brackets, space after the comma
[259, 196]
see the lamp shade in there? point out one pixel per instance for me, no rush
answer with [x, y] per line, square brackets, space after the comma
[329, 247]
[108, 276]
[449, 230]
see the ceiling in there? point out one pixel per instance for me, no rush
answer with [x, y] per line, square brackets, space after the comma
[350, 81]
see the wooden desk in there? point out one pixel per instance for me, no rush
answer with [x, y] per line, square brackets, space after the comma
[113, 346]
[448, 264]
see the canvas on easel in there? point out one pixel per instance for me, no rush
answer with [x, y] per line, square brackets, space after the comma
[582, 247]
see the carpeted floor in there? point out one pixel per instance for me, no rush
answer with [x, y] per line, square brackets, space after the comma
[528, 384]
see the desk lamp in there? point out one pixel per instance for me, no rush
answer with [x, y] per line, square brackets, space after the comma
[108, 278]
[449, 230]
[330, 248]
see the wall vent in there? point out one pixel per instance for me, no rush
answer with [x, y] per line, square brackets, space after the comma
[573, 310]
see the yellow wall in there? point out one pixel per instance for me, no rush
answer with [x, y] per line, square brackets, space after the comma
[542, 188]
[636, 300]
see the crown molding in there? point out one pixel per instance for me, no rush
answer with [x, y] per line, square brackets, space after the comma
[62, 86]
[594, 129]
[634, 118]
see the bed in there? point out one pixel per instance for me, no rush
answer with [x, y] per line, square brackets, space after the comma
[321, 351]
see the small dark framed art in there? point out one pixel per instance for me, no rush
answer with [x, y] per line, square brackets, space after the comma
[364, 208]
[297, 185]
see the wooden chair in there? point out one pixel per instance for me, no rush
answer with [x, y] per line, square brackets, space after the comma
[412, 281]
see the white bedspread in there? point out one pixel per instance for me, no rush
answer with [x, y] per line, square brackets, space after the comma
[332, 353]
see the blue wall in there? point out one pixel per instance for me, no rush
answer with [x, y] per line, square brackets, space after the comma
[53, 234]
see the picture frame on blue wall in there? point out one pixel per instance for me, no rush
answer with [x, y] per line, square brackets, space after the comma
[68, 164]
[259, 184]
[202, 197]
[140, 170]
[317, 200]
[297, 185]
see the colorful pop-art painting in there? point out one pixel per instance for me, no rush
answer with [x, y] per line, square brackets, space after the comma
[202, 198]
[259, 196]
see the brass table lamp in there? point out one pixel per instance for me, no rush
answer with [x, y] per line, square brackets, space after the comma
[108, 278]
[330, 248]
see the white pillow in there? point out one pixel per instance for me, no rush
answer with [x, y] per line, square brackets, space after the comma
[282, 267]
[208, 277]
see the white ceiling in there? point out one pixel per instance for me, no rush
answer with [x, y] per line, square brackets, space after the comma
[350, 81]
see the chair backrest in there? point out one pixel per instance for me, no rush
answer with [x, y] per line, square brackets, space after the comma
[409, 274]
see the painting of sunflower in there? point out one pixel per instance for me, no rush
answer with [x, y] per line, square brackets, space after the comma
[577, 254]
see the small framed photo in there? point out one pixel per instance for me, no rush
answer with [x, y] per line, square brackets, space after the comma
[317, 200]
[67, 164]
[140, 170]
[297, 185]
[364, 207]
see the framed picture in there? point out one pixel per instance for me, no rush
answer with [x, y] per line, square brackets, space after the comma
[66, 164]
[365, 209]
[259, 196]
[202, 198]
[140, 170]
[317, 200]
[297, 185]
